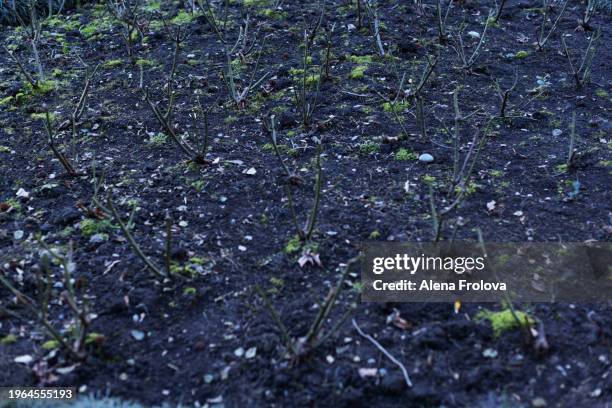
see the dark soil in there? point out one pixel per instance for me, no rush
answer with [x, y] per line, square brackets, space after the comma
[231, 227]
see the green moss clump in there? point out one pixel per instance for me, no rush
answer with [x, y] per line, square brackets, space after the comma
[298, 74]
[14, 204]
[145, 63]
[395, 107]
[293, 245]
[8, 339]
[91, 227]
[358, 72]
[504, 320]
[190, 291]
[521, 55]
[43, 116]
[50, 344]
[152, 6]
[89, 31]
[112, 63]
[157, 140]
[183, 18]
[268, 147]
[255, 2]
[41, 88]
[57, 22]
[94, 338]
[186, 270]
[405, 155]
[313, 79]
[361, 60]
[428, 179]
[274, 14]
[100, 23]
[601, 93]
[6, 101]
[469, 189]
[369, 147]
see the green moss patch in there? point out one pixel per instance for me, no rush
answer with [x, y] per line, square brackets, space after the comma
[293, 245]
[405, 155]
[503, 321]
[396, 107]
[358, 72]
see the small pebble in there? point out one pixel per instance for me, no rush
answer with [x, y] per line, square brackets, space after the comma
[138, 335]
[97, 239]
[489, 353]
[426, 158]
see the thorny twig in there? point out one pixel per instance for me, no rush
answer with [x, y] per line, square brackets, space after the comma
[305, 233]
[316, 335]
[504, 95]
[581, 75]
[588, 14]
[193, 154]
[26, 74]
[59, 155]
[307, 105]
[373, 12]
[441, 20]
[459, 47]
[75, 349]
[127, 15]
[154, 269]
[291, 175]
[571, 153]
[500, 8]
[543, 38]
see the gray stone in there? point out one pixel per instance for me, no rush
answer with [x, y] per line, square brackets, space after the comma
[426, 158]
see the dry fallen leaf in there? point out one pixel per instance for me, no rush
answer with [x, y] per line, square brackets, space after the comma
[399, 322]
[522, 38]
[309, 258]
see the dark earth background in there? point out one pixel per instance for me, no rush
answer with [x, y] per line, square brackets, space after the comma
[232, 227]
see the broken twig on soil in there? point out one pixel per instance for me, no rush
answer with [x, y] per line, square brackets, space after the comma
[384, 351]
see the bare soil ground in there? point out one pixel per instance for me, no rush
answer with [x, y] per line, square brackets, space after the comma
[207, 336]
